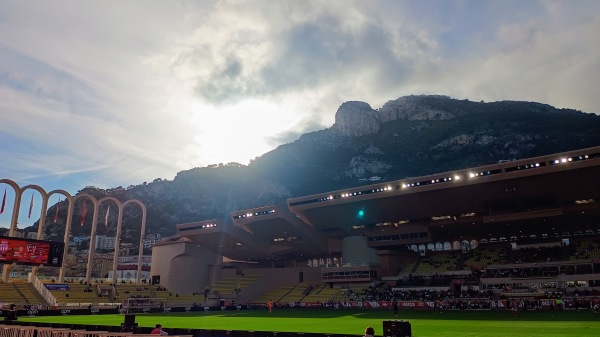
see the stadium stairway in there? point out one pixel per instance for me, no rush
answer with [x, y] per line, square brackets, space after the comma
[297, 294]
[460, 262]
[323, 294]
[276, 294]
[31, 295]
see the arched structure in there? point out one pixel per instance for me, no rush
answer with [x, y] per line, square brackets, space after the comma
[40, 233]
[13, 221]
[142, 238]
[71, 204]
[121, 207]
[92, 247]
[69, 220]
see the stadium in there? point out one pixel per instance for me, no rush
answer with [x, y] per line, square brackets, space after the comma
[510, 240]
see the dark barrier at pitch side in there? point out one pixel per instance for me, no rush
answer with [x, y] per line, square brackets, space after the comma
[132, 326]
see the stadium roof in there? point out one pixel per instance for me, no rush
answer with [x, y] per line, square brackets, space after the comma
[528, 191]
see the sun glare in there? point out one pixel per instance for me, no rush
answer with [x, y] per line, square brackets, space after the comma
[236, 133]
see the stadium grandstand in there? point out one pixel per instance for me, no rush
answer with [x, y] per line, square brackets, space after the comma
[525, 231]
[526, 228]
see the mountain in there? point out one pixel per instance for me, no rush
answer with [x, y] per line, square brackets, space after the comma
[407, 137]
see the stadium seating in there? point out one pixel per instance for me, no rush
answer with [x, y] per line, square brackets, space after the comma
[77, 294]
[31, 295]
[438, 262]
[276, 294]
[324, 294]
[585, 249]
[298, 293]
[10, 294]
[486, 255]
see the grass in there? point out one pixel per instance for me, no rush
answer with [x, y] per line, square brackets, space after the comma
[424, 323]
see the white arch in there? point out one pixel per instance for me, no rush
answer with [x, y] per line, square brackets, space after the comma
[69, 220]
[13, 221]
[92, 247]
[71, 205]
[42, 221]
[117, 234]
[16, 204]
[121, 207]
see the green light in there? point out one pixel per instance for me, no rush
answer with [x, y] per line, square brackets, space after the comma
[361, 213]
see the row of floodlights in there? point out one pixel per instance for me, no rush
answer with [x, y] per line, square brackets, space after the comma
[351, 194]
[289, 239]
[210, 225]
[458, 177]
[574, 158]
[249, 215]
[570, 159]
[432, 181]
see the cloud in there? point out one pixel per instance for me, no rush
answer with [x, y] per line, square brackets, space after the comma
[326, 44]
[292, 134]
[119, 93]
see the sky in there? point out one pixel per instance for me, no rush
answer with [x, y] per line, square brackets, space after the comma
[116, 93]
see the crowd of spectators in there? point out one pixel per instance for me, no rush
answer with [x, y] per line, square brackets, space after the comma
[538, 254]
[383, 292]
[437, 280]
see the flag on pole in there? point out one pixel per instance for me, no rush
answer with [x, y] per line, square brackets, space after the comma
[31, 205]
[56, 214]
[3, 202]
[106, 217]
[83, 213]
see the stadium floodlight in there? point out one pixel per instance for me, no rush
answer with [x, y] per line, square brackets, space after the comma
[471, 175]
[563, 160]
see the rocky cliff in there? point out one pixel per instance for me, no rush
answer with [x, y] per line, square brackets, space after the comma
[408, 136]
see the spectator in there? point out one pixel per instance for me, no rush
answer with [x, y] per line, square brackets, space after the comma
[159, 331]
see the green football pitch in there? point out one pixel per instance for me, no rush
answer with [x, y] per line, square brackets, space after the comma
[424, 323]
